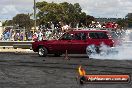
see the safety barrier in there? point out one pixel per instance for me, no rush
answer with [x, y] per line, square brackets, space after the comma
[16, 44]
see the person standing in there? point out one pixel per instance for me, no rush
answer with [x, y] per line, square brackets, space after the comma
[40, 36]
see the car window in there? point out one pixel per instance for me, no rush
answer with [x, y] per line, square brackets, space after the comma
[67, 36]
[93, 35]
[80, 36]
[102, 35]
[98, 35]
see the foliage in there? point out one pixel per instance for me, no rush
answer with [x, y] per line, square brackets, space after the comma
[65, 13]
[129, 19]
[122, 23]
[23, 21]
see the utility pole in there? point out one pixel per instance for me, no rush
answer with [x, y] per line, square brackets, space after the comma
[34, 15]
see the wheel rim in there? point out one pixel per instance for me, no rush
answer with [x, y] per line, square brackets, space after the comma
[41, 51]
[90, 50]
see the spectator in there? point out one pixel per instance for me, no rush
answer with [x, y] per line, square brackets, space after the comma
[21, 37]
[40, 36]
[29, 36]
[98, 25]
[47, 34]
[35, 37]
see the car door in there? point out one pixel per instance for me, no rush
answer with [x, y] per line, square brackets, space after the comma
[94, 38]
[63, 44]
[98, 38]
[79, 43]
[104, 38]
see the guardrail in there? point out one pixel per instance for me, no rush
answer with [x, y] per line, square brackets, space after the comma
[16, 44]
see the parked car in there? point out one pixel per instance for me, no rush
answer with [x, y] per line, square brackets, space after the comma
[75, 42]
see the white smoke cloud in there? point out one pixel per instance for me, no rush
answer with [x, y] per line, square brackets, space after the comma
[122, 52]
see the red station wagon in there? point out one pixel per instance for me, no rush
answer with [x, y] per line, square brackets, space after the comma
[75, 42]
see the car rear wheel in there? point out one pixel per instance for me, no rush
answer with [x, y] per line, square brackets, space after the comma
[42, 51]
[92, 50]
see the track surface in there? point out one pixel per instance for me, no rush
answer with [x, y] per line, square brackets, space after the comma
[27, 70]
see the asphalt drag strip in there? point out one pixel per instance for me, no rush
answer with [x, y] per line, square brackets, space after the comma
[27, 70]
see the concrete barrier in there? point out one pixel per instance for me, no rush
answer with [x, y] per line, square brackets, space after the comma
[18, 50]
[23, 46]
[16, 44]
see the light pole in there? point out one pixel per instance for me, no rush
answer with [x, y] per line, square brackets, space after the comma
[34, 14]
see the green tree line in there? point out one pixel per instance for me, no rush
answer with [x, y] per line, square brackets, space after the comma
[64, 13]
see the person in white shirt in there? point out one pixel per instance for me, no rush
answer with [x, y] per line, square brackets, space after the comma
[40, 36]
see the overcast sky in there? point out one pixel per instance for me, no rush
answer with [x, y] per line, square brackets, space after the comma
[96, 8]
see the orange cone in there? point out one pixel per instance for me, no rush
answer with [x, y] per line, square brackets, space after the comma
[66, 56]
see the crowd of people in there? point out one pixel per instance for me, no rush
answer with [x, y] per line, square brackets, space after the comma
[113, 25]
[45, 34]
[15, 35]
[18, 35]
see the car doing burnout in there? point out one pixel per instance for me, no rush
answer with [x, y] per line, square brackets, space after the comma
[75, 42]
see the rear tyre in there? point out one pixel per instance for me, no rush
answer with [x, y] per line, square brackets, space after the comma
[42, 51]
[92, 50]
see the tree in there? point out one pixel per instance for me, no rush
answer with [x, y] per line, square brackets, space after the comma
[8, 23]
[129, 19]
[89, 19]
[48, 12]
[72, 13]
[65, 12]
[23, 21]
[122, 23]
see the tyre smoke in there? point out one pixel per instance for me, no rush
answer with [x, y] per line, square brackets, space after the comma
[119, 52]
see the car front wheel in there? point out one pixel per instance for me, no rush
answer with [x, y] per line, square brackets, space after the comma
[42, 51]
